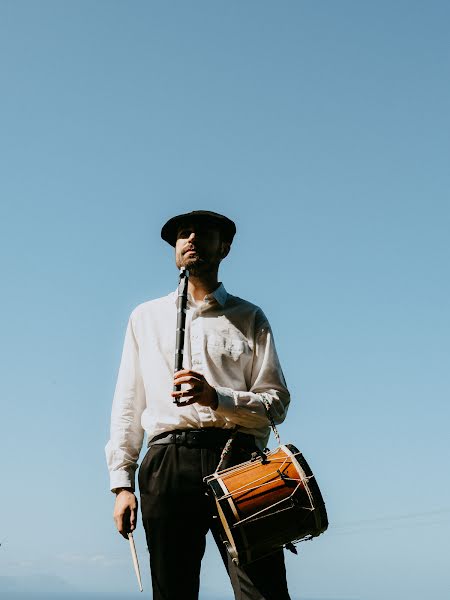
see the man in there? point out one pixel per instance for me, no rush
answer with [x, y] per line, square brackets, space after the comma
[230, 366]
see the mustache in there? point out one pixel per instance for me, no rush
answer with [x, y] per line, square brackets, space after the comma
[190, 247]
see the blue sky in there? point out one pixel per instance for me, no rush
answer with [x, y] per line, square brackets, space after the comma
[322, 129]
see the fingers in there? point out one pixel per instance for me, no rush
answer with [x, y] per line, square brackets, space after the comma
[192, 379]
[194, 388]
[192, 391]
[133, 517]
[184, 401]
[200, 390]
[187, 376]
[125, 513]
[120, 521]
[196, 382]
[185, 395]
[189, 372]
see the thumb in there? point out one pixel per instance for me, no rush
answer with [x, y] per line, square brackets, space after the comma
[133, 519]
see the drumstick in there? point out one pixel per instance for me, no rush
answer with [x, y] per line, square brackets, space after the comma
[135, 560]
[181, 323]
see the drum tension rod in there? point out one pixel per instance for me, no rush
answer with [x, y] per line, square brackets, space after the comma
[283, 476]
[290, 546]
[260, 454]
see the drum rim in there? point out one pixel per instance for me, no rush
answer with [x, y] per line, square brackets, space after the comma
[319, 503]
[229, 517]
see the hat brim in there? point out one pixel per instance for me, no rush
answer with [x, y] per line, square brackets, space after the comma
[170, 229]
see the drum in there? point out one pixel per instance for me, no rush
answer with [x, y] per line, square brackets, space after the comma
[266, 503]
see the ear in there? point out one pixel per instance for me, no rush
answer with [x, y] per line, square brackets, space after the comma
[225, 249]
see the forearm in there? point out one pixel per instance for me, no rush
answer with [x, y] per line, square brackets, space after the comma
[247, 408]
[122, 454]
[125, 443]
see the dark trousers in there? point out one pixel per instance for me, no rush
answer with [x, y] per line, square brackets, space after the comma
[177, 513]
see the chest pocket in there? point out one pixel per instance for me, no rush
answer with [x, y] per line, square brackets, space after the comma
[226, 345]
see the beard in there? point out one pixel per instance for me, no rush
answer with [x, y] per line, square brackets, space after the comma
[198, 265]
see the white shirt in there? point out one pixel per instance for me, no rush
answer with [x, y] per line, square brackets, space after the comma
[228, 340]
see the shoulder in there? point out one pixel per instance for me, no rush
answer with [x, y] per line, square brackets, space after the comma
[249, 309]
[152, 307]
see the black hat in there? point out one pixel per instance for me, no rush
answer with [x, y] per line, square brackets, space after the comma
[226, 226]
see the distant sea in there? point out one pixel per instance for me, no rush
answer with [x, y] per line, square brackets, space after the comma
[29, 595]
[72, 596]
[90, 596]
[32, 587]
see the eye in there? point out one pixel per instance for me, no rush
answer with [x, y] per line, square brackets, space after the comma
[184, 233]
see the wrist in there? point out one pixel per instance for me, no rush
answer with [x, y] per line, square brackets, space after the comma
[117, 490]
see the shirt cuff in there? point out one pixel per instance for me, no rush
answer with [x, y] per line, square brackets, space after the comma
[121, 479]
[225, 401]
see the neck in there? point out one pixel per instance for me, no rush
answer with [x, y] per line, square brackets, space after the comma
[199, 287]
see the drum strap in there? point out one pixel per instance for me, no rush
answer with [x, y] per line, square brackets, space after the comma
[227, 447]
[269, 416]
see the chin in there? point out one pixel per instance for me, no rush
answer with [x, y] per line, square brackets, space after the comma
[189, 263]
[195, 266]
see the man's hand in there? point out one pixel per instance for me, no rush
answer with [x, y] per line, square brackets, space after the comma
[125, 512]
[200, 390]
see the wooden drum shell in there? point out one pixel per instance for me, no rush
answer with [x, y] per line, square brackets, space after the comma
[265, 504]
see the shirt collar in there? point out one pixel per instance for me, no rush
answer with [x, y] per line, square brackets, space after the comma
[220, 294]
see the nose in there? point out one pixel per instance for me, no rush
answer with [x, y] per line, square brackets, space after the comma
[191, 236]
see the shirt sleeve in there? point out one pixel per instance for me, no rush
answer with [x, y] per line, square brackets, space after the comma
[246, 408]
[124, 445]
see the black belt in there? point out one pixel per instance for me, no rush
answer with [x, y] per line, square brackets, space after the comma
[210, 437]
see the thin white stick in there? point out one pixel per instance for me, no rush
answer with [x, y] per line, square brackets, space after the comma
[135, 560]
